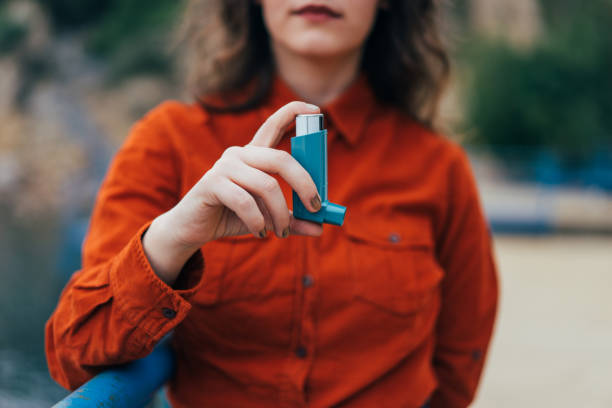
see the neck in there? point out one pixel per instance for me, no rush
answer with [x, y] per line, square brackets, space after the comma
[316, 80]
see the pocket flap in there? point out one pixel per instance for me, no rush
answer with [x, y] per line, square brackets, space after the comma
[400, 231]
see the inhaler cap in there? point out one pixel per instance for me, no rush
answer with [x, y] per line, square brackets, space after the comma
[306, 124]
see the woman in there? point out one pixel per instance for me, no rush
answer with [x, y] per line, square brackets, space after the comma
[191, 230]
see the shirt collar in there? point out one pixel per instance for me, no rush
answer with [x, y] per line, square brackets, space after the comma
[348, 113]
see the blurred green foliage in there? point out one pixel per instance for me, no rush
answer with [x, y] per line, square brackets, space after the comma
[132, 35]
[555, 95]
[11, 34]
[67, 14]
[135, 36]
[133, 22]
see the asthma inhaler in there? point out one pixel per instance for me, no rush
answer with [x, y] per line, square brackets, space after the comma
[309, 147]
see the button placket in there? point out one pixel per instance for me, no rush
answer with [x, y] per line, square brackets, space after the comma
[301, 352]
[394, 237]
[291, 393]
[304, 351]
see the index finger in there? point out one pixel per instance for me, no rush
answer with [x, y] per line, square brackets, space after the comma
[273, 128]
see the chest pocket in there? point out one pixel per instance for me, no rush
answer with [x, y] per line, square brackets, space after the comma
[392, 262]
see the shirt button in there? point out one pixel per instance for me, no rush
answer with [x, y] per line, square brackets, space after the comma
[307, 281]
[394, 237]
[169, 313]
[301, 352]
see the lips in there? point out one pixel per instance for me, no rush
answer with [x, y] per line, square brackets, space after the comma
[317, 10]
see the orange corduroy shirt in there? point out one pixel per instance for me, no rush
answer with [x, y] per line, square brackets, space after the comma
[392, 309]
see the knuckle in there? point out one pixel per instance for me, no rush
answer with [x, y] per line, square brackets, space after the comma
[284, 157]
[226, 164]
[243, 202]
[270, 184]
[210, 178]
[218, 169]
[215, 167]
[231, 151]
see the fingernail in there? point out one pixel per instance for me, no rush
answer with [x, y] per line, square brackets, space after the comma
[316, 202]
[286, 232]
[312, 107]
[262, 233]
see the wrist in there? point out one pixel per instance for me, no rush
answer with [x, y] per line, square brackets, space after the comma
[166, 256]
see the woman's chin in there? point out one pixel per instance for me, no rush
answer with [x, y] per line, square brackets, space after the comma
[320, 47]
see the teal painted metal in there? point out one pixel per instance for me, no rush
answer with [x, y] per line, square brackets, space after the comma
[129, 386]
[310, 150]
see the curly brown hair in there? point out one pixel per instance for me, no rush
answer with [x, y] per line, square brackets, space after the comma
[227, 49]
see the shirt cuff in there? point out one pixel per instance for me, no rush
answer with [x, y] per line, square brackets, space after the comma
[146, 301]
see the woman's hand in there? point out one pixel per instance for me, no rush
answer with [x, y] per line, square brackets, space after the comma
[236, 196]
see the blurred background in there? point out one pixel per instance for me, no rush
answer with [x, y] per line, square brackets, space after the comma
[530, 101]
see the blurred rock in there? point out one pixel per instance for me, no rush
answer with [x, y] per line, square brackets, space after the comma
[60, 120]
[30, 14]
[115, 109]
[9, 83]
[519, 21]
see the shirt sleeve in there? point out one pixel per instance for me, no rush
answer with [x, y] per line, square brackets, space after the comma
[469, 292]
[115, 309]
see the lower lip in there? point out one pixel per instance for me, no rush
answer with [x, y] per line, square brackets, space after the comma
[317, 17]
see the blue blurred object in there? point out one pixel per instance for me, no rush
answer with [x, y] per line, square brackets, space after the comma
[72, 233]
[309, 147]
[535, 181]
[598, 172]
[547, 168]
[129, 386]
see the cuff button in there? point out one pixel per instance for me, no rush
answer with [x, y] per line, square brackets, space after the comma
[169, 313]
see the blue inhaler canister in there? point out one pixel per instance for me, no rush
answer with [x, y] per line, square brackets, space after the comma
[309, 147]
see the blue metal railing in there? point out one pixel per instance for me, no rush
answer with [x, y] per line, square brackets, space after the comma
[129, 386]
